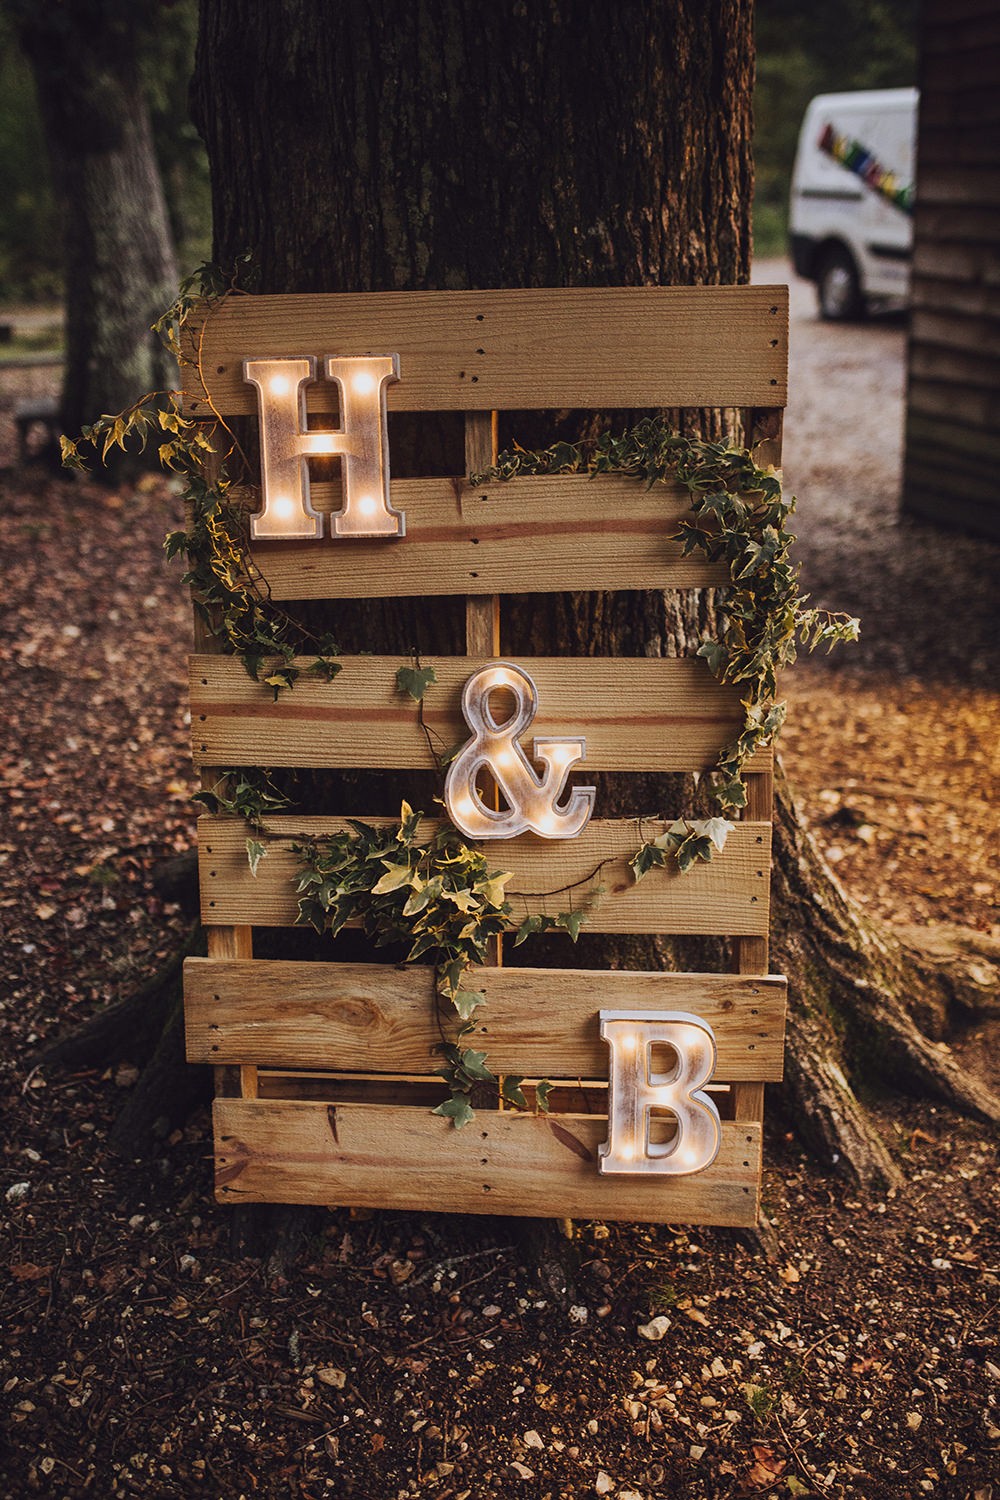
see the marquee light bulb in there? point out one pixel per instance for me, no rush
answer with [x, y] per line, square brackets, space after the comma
[278, 385]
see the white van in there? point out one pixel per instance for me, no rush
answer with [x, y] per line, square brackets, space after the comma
[851, 224]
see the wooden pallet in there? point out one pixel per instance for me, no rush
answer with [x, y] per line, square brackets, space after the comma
[324, 1069]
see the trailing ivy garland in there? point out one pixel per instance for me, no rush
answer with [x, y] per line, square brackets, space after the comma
[439, 895]
[739, 515]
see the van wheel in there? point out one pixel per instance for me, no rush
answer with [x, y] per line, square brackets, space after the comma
[839, 288]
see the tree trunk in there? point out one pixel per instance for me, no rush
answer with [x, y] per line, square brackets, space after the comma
[120, 268]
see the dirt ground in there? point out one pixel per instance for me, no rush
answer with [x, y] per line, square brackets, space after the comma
[412, 1354]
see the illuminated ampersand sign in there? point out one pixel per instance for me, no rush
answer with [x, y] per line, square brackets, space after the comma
[532, 797]
[636, 1094]
[361, 441]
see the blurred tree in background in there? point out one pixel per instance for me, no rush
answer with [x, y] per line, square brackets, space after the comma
[31, 255]
[805, 49]
[30, 232]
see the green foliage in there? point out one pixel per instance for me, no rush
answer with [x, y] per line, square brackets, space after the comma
[30, 237]
[686, 841]
[415, 681]
[247, 793]
[438, 896]
[738, 517]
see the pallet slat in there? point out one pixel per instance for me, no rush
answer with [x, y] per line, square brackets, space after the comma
[380, 1018]
[727, 895]
[508, 350]
[530, 535]
[375, 1156]
[636, 714]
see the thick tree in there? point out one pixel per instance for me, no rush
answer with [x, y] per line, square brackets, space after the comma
[391, 145]
[119, 260]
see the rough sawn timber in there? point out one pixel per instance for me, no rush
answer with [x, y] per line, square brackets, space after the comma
[726, 895]
[509, 350]
[381, 1018]
[636, 714]
[537, 534]
[385, 1156]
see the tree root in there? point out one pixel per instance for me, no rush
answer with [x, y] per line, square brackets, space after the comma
[147, 1028]
[854, 990]
[131, 1027]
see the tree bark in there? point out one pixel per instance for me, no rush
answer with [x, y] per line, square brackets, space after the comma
[120, 267]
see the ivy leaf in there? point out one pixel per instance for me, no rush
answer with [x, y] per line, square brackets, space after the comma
[68, 451]
[718, 830]
[715, 655]
[325, 668]
[731, 794]
[464, 900]
[255, 853]
[543, 1089]
[466, 1001]
[394, 877]
[409, 822]
[415, 681]
[474, 1066]
[511, 1092]
[174, 542]
[527, 929]
[693, 848]
[450, 977]
[492, 889]
[284, 677]
[571, 922]
[645, 858]
[457, 1109]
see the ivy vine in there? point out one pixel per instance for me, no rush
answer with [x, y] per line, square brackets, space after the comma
[739, 516]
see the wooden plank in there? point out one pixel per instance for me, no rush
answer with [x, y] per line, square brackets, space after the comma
[637, 714]
[382, 1018]
[963, 107]
[956, 261]
[532, 535]
[942, 431]
[976, 406]
[932, 361]
[951, 507]
[727, 895]
[940, 329]
[594, 347]
[374, 1156]
[966, 298]
[222, 942]
[944, 146]
[967, 186]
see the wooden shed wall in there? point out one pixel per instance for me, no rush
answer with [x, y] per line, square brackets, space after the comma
[952, 456]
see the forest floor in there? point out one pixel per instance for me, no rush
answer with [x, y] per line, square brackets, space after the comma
[415, 1354]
